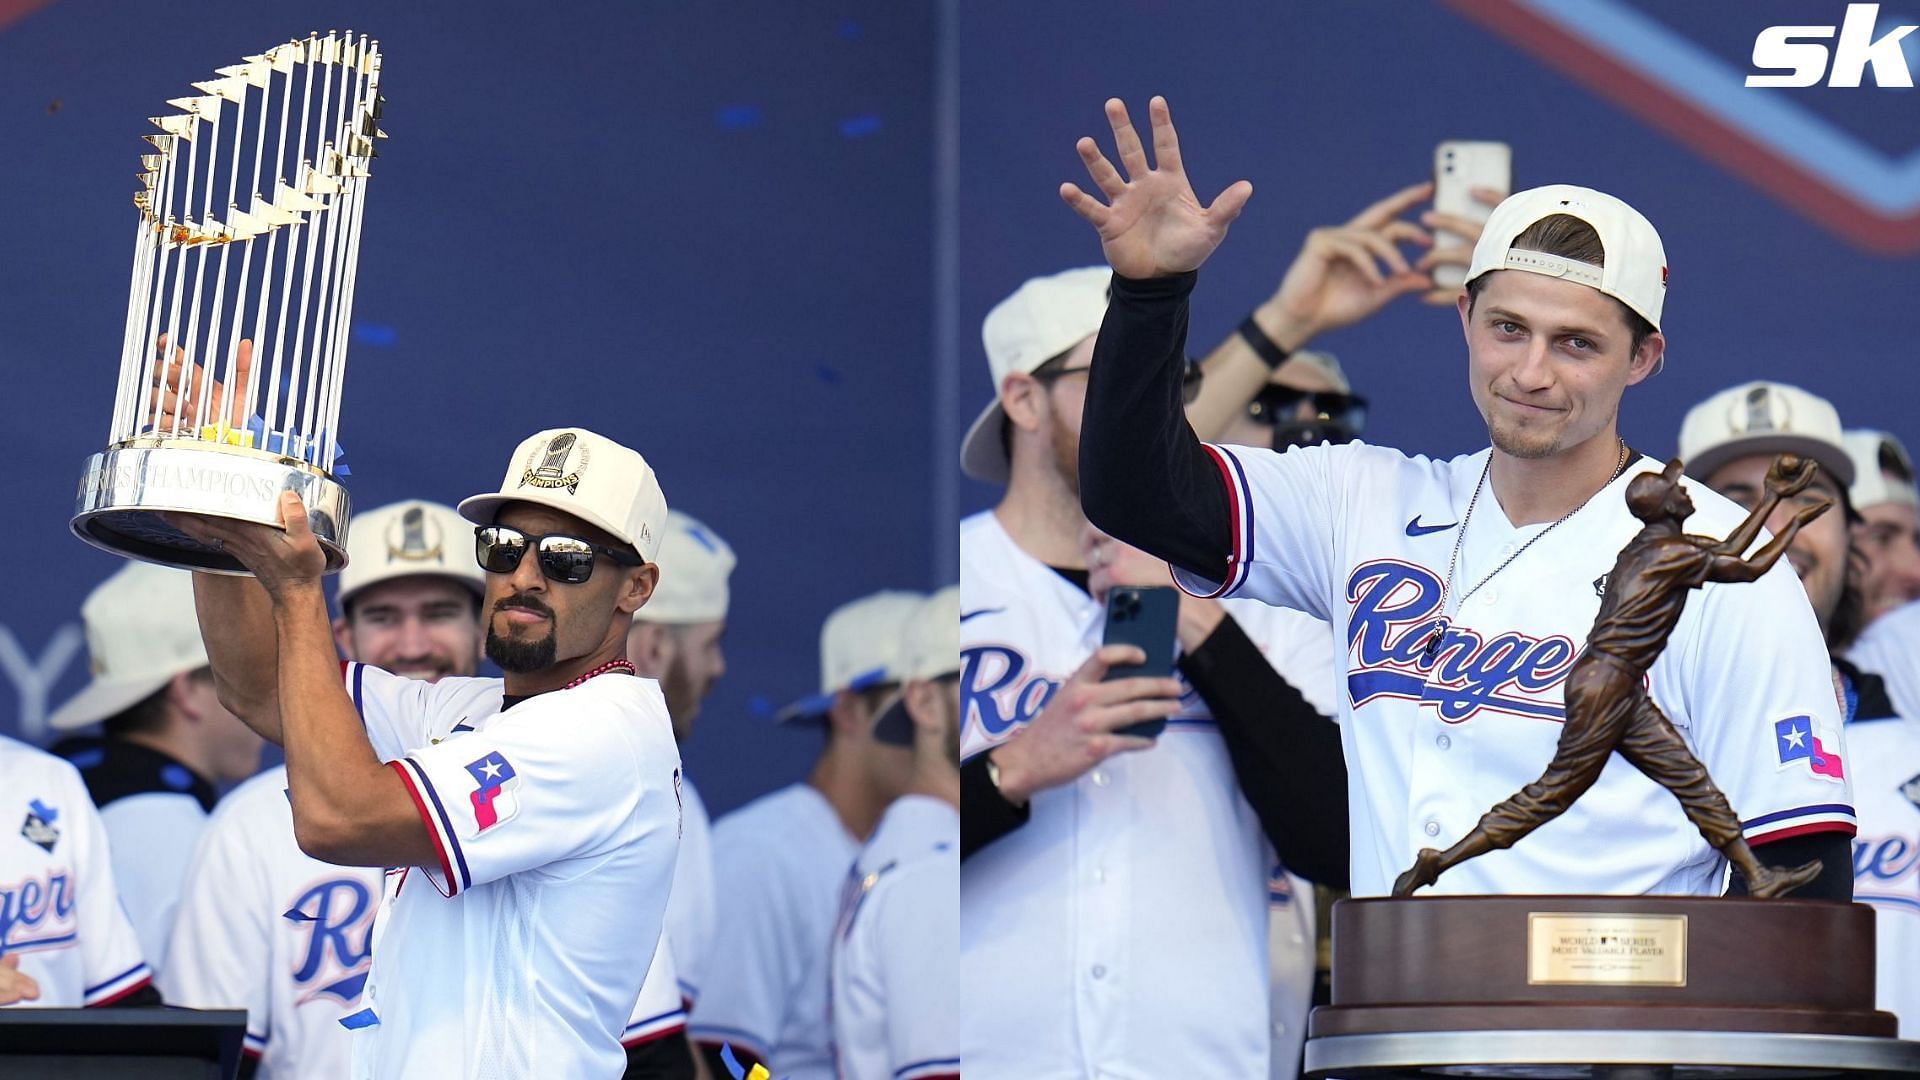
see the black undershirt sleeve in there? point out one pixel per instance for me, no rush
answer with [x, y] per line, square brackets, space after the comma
[668, 1058]
[1144, 477]
[1833, 849]
[985, 814]
[1286, 756]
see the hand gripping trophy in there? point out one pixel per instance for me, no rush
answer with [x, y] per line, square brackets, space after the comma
[1607, 704]
[239, 312]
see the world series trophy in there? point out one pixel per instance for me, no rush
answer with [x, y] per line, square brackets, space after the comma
[1620, 987]
[240, 307]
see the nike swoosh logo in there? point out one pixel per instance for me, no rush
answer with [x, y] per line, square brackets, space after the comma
[965, 615]
[1414, 528]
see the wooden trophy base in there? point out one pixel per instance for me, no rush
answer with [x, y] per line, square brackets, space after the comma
[1601, 986]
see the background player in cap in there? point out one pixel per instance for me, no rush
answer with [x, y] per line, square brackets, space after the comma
[1728, 440]
[1453, 590]
[541, 810]
[166, 744]
[780, 860]
[896, 1002]
[1888, 540]
[675, 639]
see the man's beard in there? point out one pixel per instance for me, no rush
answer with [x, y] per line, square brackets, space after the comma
[683, 696]
[1066, 455]
[520, 656]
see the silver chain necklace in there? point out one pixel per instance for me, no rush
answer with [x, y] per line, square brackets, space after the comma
[1446, 591]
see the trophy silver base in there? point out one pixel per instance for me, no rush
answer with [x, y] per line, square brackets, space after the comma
[124, 490]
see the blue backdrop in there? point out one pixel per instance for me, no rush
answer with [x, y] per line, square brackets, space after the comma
[701, 229]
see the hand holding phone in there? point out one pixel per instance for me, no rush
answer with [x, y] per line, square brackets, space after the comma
[1459, 168]
[1144, 617]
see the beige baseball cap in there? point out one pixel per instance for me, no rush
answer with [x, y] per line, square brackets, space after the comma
[1636, 263]
[694, 566]
[590, 476]
[407, 539]
[141, 632]
[930, 647]
[859, 643]
[1875, 454]
[1043, 318]
[1763, 418]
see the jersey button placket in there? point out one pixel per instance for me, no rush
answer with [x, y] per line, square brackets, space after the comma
[1102, 903]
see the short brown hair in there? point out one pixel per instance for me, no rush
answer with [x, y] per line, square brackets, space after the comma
[1570, 238]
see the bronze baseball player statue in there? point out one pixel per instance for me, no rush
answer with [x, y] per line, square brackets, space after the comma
[1607, 706]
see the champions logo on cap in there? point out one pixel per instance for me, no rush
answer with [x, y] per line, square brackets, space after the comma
[492, 802]
[414, 543]
[552, 470]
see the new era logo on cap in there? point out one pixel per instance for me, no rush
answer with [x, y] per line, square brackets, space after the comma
[584, 474]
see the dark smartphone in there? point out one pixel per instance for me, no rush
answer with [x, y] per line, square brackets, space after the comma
[1142, 617]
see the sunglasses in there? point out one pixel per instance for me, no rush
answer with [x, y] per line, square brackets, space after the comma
[565, 559]
[1189, 379]
[1281, 404]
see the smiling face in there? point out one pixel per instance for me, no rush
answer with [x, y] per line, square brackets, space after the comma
[423, 626]
[1548, 360]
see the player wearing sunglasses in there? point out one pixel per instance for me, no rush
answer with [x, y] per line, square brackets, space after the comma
[542, 809]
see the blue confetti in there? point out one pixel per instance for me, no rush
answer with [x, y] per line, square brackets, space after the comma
[376, 335]
[859, 127]
[850, 30]
[738, 117]
[828, 374]
[759, 706]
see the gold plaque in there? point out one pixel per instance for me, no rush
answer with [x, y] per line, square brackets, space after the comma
[1577, 949]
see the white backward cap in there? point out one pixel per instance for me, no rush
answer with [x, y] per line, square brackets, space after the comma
[590, 476]
[859, 643]
[1882, 470]
[694, 565]
[1043, 318]
[409, 539]
[930, 648]
[1763, 418]
[1636, 262]
[141, 632]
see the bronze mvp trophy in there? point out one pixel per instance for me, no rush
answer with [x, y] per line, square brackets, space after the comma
[1616, 986]
[240, 305]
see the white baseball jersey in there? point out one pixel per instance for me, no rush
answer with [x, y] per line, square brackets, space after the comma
[691, 917]
[1883, 759]
[659, 1011]
[1890, 648]
[556, 824]
[59, 911]
[153, 836]
[779, 863]
[1361, 536]
[265, 927]
[1123, 930]
[895, 1002]
[1291, 961]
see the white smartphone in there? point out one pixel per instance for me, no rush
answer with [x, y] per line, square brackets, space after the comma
[1459, 166]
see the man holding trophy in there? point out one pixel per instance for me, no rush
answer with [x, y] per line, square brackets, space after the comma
[543, 810]
[1460, 590]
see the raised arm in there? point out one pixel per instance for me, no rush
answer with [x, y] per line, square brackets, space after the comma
[1788, 476]
[1730, 567]
[236, 623]
[1143, 475]
[1343, 274]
